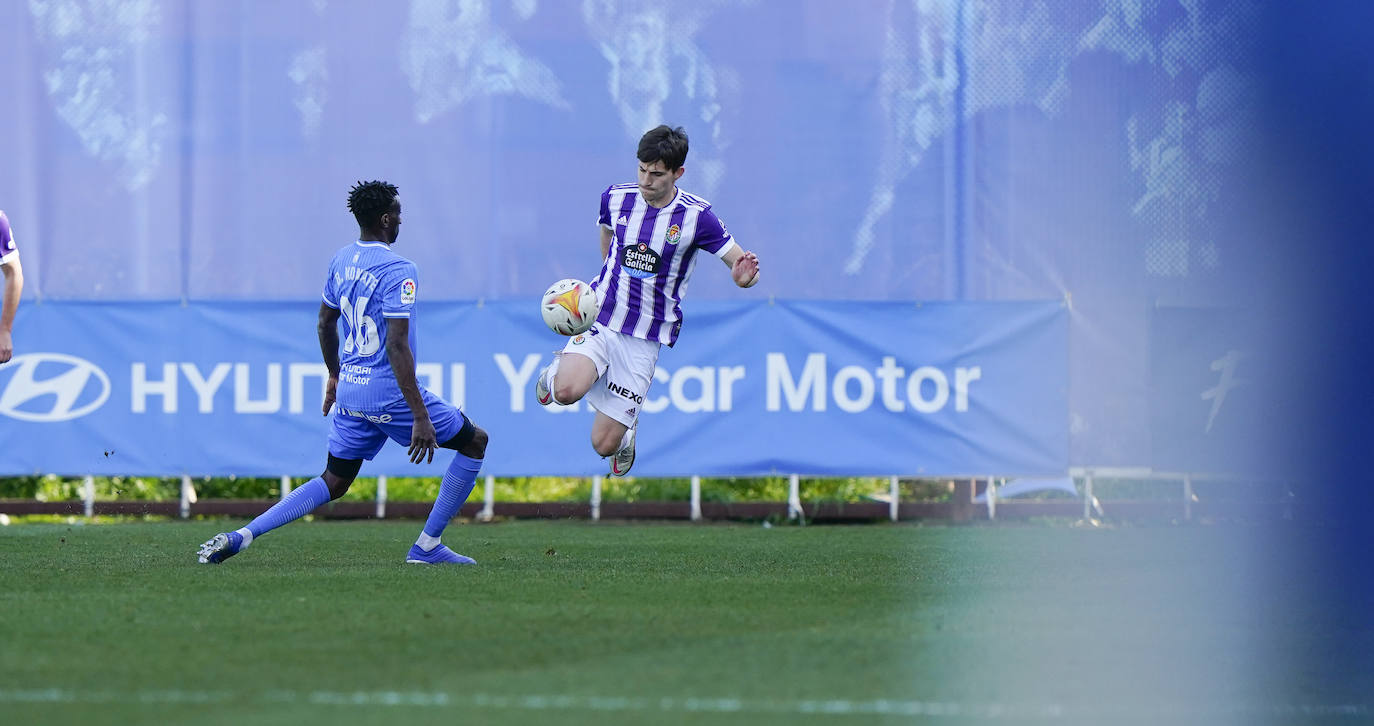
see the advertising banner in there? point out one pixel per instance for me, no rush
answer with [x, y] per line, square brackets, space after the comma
[809, 387]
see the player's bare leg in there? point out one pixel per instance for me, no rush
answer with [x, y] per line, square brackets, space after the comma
[616, 440]
[566, 380]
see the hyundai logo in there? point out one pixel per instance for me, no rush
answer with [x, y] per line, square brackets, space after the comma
[63, 392]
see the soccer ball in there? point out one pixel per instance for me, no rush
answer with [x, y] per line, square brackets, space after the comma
[569, 307]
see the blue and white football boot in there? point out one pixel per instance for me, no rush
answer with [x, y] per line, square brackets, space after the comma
[220, 548]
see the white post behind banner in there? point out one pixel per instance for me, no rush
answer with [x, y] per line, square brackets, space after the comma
[893, 504]
[88, 495]
[696, 498]
[381, 497]
[990, 496]
[488, 500]
[794, 507]
[1087, 495]
[188, 496]
[596, 498]
[1187, 497]
[285, 486]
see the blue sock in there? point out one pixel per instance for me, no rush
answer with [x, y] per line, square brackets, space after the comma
[300, 502]
[453, 491]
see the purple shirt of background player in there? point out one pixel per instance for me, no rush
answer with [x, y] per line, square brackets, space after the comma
[14, 285]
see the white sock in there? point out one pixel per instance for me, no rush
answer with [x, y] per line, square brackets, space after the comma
[426, 542]
[548, 378]
[247, 538]
[624, 440]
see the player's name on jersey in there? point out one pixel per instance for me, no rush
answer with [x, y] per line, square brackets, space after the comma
[361, 275]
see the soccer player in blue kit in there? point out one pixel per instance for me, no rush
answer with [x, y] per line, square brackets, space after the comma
[372, 379]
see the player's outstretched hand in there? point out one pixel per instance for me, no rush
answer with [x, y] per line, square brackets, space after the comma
[423, 442]
[331, 386]
[745, 271]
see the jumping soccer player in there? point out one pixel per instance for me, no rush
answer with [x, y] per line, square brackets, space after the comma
[14, 285]
[650, 234]
[374, 289]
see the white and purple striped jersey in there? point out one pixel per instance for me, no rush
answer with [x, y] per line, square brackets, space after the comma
[650, 260]
[369, 285]
[7, 249]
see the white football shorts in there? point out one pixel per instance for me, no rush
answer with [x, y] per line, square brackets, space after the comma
[624, 367]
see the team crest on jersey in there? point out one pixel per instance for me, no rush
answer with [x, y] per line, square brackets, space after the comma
[407, 291]
[674, 234]
[640, 260]
[579, 340]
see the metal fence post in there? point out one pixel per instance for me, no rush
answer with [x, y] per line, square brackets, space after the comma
[488, 499]
[990, 496]
[596, 498]
[381, 497]
[1087, 495]
[88, 495]
[893, 492]
[696, 498]
[188, 496]
[1187, 497]
[794, 506]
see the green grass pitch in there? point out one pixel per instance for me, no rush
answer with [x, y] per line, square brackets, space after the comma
[582, 623]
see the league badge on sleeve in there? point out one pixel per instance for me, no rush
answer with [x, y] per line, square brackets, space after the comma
[408, 292]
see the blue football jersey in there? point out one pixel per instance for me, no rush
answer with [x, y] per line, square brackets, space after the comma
[369, 285]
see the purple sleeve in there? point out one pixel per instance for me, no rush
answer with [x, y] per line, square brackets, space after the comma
[711, 234]
[7, 247]
[605, 218]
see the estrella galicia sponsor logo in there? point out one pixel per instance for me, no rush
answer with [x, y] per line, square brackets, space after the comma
[640, 260]
[51, 387]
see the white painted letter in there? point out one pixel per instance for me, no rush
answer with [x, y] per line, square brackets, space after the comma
[726, 377]
[205, 387]
[913, 389]
[430, 376]
[244, 403]
[889, 373]
[780, 383]
[517, 380]
[658, 403]
[963, 377]
[141, 388]
[296, 373]
[705, 401]
[840, 390]
[458, 384]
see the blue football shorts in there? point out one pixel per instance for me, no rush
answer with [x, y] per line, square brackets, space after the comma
[356, 434]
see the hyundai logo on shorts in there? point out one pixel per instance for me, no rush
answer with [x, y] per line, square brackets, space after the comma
[51, 387]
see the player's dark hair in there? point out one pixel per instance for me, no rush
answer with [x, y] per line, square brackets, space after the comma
[663, 144]
[368, 201]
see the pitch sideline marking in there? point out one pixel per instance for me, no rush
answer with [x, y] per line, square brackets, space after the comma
[439, 699]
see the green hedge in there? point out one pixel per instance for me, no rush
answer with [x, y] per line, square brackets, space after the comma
[519, 489]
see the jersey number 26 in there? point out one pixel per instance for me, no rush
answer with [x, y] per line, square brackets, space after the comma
[362, 330]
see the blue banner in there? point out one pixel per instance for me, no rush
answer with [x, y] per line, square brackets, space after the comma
[824, 388]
